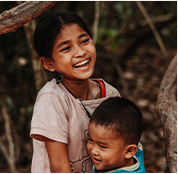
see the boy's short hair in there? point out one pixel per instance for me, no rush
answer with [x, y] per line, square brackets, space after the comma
[120, 116]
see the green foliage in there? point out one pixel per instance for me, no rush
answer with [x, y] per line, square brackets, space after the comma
[106, 34]
[119, 7]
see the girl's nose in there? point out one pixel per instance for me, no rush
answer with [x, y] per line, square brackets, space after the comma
[79, 52]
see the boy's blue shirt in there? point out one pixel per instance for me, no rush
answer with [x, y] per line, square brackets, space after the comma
[138, 167]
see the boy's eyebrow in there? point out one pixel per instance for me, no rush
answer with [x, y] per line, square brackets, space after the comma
[103, 143]
[67, 41]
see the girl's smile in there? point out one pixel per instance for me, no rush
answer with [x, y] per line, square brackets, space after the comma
[82, 64]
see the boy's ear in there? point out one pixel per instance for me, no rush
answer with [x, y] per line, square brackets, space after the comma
[131, 150]
[47, 63]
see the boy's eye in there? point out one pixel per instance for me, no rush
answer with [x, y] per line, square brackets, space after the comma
[103, 147]
[89, 139]
[66, 48]
[85, 41]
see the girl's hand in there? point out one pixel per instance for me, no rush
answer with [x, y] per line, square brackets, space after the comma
[58, 156]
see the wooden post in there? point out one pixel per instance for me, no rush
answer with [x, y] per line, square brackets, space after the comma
[166, 111]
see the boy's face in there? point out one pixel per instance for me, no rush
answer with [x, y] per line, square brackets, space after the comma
[107, 152]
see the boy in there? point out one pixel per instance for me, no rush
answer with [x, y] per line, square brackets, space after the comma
[114, 133]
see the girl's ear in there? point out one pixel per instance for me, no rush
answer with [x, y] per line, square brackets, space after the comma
[131, 150]
[47, 64]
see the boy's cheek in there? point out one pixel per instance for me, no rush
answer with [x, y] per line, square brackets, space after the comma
[88, 146]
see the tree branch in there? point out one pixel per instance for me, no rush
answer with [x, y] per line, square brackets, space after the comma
[166, 111]
[116, 64]
[96, 20]
[11, 20]
[152, 26]
[9, 153]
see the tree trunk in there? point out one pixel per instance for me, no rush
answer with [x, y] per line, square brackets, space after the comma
[39, 74]
[11, 20]
[166, 111]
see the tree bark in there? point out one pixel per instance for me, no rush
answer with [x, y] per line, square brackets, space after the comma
[166, 111]
[96, 21]
[11, 20]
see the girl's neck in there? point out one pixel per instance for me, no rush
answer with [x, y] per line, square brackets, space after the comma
[81, 89]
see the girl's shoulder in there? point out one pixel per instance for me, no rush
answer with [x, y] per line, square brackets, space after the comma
[110, 90]
[51, 88]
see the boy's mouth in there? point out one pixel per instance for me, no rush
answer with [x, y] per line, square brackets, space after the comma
[82, 64]
[96, 161]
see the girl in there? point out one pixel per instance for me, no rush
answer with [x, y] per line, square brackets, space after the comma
[63, 106]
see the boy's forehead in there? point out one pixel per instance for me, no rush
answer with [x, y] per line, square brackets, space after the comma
[100, 134]
[110, 130]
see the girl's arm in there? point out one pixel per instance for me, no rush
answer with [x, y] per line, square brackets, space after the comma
[58, 156]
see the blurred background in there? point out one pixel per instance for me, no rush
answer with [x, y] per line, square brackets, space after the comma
[129, 57]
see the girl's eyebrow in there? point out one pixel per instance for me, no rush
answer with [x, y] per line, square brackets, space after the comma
[63, 43]
[82, 35]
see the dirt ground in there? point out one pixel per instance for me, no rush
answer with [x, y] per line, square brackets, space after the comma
[143, 76]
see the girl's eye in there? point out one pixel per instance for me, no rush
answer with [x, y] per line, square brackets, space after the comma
[85, 41]
[66, 48]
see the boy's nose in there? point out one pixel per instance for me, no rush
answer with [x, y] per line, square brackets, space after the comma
[79, 52]
[94, 151]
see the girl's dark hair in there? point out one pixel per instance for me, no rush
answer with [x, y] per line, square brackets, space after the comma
[120, 116]
[49, 28]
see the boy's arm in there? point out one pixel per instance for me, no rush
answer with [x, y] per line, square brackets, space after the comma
[58, 156]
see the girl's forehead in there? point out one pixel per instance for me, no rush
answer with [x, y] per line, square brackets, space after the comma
[70, 29]
[69, 33]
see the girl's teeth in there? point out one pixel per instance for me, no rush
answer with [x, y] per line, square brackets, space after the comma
[82, 63]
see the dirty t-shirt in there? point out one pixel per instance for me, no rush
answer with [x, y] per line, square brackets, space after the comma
[59, 116]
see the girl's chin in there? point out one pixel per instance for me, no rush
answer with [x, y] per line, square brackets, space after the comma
[79, 76]
[85, 76]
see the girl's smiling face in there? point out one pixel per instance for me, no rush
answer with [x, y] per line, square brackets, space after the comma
[74, 54]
